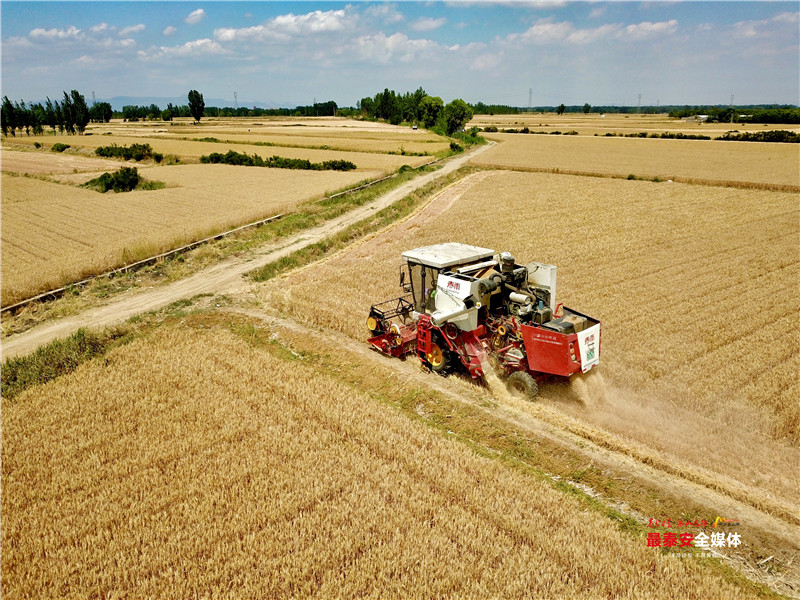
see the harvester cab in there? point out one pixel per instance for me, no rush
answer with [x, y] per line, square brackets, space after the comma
[464, 304]
[436, 273]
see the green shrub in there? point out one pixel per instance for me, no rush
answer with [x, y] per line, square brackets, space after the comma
[123, 180]
[779, 135]
[338, 165]
[136, 152]
[671, 135]
[37, 145]
[490, 129]
[276, 162]
[455, 147]
[59, 147]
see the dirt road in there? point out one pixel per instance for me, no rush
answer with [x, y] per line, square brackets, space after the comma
[221, 278]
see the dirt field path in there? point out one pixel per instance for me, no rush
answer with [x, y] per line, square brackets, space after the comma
[223, 277]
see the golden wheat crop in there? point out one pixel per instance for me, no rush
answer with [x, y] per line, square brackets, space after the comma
[736, 162]
[191, 151]
[53, 234]
[191, 464]
[344, 137]
[696, 287]
[348, 144]
[306, 124]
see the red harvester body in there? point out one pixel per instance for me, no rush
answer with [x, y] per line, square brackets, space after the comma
[465, 306]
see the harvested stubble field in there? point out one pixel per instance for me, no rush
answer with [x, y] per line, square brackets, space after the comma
[50, 163]
[616, 123]
[205, 467]
[53, 234]
[731, 163]
[694, 285]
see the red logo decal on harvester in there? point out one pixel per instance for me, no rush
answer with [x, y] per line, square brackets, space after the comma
[453, 285]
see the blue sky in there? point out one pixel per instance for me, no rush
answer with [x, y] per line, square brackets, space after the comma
[289, 53]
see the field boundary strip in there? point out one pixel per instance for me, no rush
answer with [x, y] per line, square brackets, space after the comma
[53, 294]
[376, 181]
[746, 185]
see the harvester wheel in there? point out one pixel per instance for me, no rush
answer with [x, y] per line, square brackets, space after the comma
[522, 385]
[438, 357]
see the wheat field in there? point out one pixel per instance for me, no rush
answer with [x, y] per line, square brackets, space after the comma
[191, 151]
[53, 234]
[589, 124]
[741, 163]
[694, 284]
[190, 464]
[343, 137]
[324, 140]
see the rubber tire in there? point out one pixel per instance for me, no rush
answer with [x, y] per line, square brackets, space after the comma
[522, 385]
[441, 368]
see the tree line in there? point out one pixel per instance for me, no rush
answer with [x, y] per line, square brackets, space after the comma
[742, 114]
[416, 107]
[750, 113]
[154, 113]
[70, 115]
[411, 107]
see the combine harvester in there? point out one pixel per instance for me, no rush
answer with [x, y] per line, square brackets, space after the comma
[465, 304]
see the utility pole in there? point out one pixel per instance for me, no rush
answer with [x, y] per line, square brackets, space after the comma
[94, 101]
[235, 100]
[731, 107]
[639, 106]
[530, 99]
